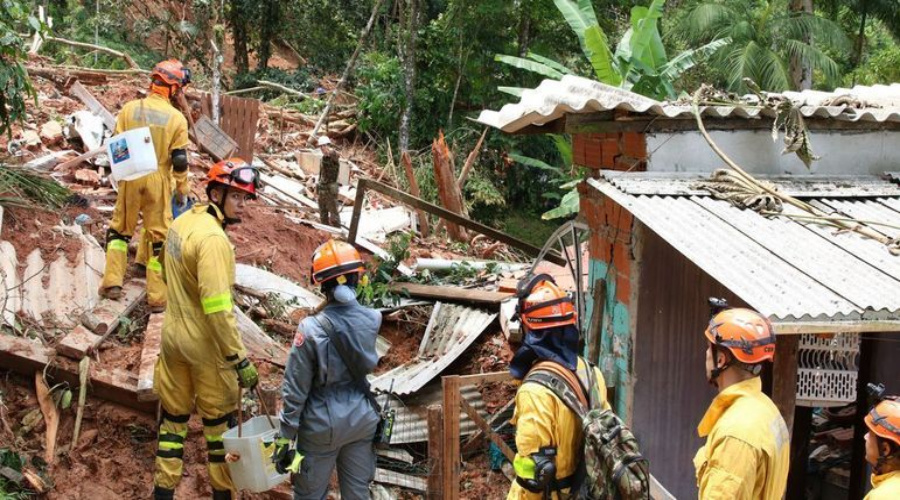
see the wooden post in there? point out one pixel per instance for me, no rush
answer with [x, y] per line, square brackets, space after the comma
[414, 190]
[486, 429]
[448, 191]
[858, 467]
[784, 377]
[450, 460]
[435, 451]
[595, 330]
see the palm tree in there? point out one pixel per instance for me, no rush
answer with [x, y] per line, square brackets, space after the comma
[765, 35]
[863, 11]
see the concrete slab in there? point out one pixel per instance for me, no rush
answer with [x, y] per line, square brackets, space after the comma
[149, 355]
[77, 343]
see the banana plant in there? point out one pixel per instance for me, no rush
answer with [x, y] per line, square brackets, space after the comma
[639, 62]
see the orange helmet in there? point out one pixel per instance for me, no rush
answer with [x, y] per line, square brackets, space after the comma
[884, 420]
[335, 258]
[546, 307]
[235, 173]
[747, 334]
[172, 72]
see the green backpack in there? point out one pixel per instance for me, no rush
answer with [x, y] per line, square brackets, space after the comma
[612, 467]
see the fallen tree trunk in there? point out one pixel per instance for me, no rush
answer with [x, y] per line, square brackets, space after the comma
[448, 190]
[281, 88]
[100, 48]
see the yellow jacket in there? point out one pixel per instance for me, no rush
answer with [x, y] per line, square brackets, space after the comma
[542, 420]
[747, 451]
[885, 486]
[168, 128]
[199, 273]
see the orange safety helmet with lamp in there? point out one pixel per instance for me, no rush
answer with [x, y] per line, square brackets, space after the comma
[747, 334]
[333, 259]
[235, 173]
[547, 306]
[884, 420]
[171, 72]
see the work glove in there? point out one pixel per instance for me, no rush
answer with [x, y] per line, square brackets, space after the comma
[248, 377]
[285, 457]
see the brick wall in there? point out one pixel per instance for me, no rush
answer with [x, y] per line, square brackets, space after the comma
[611, 237]
[611, 151]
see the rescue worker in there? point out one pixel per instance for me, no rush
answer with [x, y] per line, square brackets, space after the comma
[548, 433]
[883, 449]
[150, 196]
[328, 415]
[747, 450]
[202, 359]
[327, 188]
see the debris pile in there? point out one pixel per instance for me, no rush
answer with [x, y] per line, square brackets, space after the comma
[446, 309]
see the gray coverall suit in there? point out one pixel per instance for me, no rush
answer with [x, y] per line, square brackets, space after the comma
[325, 410]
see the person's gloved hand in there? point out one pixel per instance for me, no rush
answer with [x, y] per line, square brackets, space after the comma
[285, 457]
[248, 377]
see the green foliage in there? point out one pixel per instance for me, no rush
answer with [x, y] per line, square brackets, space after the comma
[16, 462]
[764, 35]
[15, 87]
[639, 63]
[381, 272]
[380, 89]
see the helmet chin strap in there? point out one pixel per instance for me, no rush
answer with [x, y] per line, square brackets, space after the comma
[226, 220]
[717, 370]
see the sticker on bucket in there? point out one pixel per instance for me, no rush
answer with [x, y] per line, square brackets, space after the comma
[119, 150]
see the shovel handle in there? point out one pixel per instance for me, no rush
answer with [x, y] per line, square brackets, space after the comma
[240, 411]
[262, 403]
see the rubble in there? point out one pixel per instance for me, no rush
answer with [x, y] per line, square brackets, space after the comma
[55, 290]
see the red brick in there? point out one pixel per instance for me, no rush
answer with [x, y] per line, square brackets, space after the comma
[634, 144]
[623, 289]
[622, 258]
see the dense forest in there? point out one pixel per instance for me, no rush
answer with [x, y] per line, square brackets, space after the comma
[422, 66]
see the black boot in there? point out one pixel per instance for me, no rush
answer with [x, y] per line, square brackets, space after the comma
[160, 493]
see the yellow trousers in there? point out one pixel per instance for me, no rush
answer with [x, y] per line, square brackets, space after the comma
[181, 383]
[150, 198]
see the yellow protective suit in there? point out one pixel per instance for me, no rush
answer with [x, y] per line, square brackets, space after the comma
[200, 344]
[885, 486]
[149, 196]
[542, 420]
[747, 451]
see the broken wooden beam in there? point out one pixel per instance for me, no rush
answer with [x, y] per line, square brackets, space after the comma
[365, 184]
[435, 452]
[486, 429]
[149, 355]
[450, 293]
[448, 190]
[414, 189]
[26, 357]
[109, 313]
[51, 416]
[128, 60]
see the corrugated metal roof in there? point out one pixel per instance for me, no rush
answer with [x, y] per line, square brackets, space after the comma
[786, 269]
[451, 330]
[812, 186]
[411, 418]
[573, 94]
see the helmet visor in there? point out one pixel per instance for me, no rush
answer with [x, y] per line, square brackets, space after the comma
[247, 176]
[187, 76]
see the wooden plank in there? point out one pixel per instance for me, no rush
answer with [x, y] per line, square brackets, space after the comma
[25, 357]
[365, 184]
[784, 377]
[435, 452]
[77, 343]
[85, 96]
[74, 162]
[108, 313]
[149, 355]
[450, 459]
[213, 139]
[51, 416]
[485, 378]
[450, 293]
[448, 190]
[474, 441]
[595, 330]
[486, 429]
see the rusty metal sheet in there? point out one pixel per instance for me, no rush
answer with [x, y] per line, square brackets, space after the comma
[451, 330]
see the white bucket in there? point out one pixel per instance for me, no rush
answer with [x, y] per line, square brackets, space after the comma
[131, 154]
[254, 471]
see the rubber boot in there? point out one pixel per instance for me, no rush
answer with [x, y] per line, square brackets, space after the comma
[160, 493]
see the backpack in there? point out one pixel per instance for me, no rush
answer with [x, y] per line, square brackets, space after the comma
[612, 467]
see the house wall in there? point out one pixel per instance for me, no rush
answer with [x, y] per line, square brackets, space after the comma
[612, 247]
[671, 392]
[840, 152]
